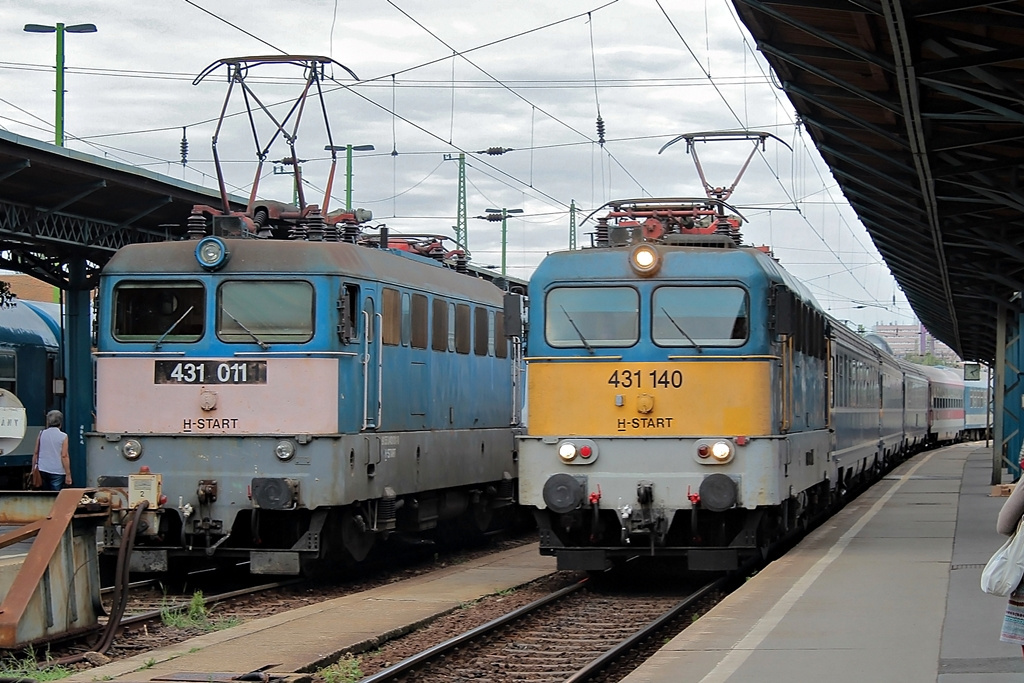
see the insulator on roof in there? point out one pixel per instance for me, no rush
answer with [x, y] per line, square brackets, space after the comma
[184, 147]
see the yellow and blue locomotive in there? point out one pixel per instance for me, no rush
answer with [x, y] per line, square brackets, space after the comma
[688, 398]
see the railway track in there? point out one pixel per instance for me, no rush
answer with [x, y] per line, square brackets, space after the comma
[573, 634]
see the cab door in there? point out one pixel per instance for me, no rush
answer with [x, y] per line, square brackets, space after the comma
[371, 361]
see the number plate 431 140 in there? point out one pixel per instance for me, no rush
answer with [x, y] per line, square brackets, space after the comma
[210, 372]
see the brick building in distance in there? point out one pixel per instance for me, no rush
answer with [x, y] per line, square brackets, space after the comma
[30, 289]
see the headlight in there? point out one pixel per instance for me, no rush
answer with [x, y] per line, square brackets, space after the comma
[567, 451]
[714, 452]
[721, 451]
[284, 450]
[132, 449]
[645, 260]
[211, 253]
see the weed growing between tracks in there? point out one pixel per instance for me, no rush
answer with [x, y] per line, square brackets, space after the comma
[29, 668]
[345, 670]
[195, 616]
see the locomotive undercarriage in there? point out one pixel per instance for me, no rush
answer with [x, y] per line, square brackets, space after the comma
[594, 539]
[291, 542]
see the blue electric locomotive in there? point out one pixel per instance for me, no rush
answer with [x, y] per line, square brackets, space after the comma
[688, 398]
[291, 402]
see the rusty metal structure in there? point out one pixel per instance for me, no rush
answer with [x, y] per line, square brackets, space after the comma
[54, 590]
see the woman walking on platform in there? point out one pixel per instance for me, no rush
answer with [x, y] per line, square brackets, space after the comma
[51, 454]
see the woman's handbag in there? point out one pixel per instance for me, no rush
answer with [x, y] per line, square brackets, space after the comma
[1006, 568]
[37, 479]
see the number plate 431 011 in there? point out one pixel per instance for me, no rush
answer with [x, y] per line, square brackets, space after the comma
[210, 372]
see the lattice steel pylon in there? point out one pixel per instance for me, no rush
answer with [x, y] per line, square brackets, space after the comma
[461, 227]
[572, 225]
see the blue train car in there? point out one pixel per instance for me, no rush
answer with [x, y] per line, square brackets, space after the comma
[290, 403]
[977, 410]
[30, 362]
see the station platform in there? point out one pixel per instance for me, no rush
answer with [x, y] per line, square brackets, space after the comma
[309, 637]
[886, 590]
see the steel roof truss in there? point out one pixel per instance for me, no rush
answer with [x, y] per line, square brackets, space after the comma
[825, 104]
[828, 77]
[820, 35]
[7, 170]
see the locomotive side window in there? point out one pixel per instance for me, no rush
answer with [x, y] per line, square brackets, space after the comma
[151, 311]
[439, 335]
[419, 321]
[490, 333]
[585, 317]
[463, 323]
[8, 372]
[480, 330]
[391, 310]
[500, 342]
[700, 316]
[265, 311]
[406, 319]
[451, 328]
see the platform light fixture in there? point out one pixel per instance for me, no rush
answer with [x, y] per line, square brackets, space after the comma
[348, 167]
[60, 30]
[501, 215]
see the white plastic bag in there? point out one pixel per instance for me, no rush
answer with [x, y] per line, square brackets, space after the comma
[1006, 568]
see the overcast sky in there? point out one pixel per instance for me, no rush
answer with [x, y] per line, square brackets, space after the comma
[524, 79]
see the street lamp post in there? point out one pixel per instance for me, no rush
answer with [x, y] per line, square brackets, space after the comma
[348, 171]
[348, 168]
[60, 30]
[504, 230]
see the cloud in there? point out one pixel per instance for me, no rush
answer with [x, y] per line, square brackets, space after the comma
[135, 73]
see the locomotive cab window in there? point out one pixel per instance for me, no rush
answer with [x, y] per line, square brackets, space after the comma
[582, 317]
[700, 316]
[8, 371]
[153, 311]
[265, 311]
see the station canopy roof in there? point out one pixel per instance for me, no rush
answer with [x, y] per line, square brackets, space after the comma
[918, 108]
[57, 204]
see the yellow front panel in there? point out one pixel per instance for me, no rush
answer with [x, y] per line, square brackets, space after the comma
[675, 398]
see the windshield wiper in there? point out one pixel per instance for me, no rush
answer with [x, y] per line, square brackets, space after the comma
[586, 344]
[263, 345]
[682, 331]
[171, 329]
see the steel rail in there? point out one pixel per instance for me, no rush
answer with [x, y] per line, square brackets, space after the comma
[598, 665]
[209, 600]
[401, 667]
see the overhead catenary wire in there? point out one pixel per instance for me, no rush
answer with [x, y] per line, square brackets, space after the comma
[740, 122]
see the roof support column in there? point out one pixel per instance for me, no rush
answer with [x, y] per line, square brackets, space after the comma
[78, 359]
[1007, 408]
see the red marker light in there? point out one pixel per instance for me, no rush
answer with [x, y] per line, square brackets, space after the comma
[163, 500]
[703, 450]
[144, 469]
[586, 451]
[741, 440]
